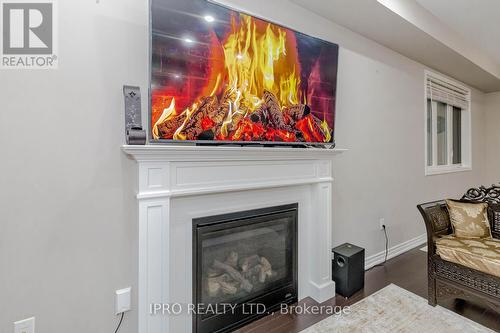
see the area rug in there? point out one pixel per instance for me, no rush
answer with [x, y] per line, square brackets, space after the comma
[393, 309]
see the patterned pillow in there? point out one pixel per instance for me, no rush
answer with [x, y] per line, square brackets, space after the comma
[494, 216]
[469, 220]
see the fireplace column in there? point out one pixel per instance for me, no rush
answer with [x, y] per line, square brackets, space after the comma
[320, 234]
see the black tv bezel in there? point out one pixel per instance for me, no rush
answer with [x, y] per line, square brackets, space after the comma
[151, 140]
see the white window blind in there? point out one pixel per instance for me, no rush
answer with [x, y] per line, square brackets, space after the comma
[447, 125]
[441, 91]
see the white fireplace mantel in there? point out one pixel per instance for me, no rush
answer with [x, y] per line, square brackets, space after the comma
[178, 183]
[217, 153]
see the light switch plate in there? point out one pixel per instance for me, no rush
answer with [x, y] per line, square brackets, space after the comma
[122, 300]
[25, 326]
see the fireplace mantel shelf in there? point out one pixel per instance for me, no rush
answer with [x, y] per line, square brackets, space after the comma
[218, 153]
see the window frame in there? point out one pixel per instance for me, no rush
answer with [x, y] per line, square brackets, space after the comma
[466, 131]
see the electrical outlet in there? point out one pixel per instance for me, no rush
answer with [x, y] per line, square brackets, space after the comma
[382, 223]
[122, 300]
[25, 326]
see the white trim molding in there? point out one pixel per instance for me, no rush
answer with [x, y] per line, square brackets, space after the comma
[179, 183]
[395, 251]
[443, 169]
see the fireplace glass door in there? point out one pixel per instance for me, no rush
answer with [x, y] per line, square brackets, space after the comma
[245, 257]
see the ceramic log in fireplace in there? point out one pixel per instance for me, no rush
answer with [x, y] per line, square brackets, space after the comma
[243, 259]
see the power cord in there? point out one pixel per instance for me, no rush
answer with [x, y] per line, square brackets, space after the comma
[120, 323]
[386, 251]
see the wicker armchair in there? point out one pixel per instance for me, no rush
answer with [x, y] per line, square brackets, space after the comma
[451, 280]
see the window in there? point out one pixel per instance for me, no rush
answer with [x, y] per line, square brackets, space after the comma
[447, 126]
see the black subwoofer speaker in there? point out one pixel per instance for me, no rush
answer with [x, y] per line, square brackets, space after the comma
[348, 269]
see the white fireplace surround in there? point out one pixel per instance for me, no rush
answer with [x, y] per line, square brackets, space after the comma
[179, 183]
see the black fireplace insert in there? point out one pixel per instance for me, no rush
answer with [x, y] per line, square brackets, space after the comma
[244, 266]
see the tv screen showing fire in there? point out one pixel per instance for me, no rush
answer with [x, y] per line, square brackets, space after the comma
[219, 75]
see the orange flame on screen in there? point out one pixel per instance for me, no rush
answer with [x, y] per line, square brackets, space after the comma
[253, 58]
[258, 57]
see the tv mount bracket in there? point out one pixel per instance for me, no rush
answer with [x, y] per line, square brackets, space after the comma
[134, 134]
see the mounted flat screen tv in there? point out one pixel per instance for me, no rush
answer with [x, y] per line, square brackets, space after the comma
[222, 76]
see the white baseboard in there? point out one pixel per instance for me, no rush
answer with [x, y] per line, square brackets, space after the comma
[394, 251]
[322, 293]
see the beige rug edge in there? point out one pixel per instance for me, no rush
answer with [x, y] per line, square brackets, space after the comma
[412, 314]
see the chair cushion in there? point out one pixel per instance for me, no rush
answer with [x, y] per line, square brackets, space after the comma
[469, 220]
[482, 254]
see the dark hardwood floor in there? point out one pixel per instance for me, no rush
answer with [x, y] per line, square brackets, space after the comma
[408, 271]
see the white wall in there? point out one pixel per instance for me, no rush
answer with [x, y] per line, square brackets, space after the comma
[492, 150]
[68, 231]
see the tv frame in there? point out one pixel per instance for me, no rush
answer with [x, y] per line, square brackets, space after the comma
[330, 144]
